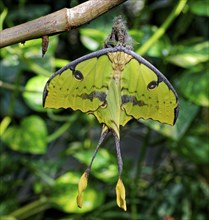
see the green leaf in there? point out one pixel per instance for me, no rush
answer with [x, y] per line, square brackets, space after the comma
[104, 166]
[92, 39]
[29, 137]
[200, 8]
[28, 57]
[65, 191]
[33, 94]
[59, 63]
[189, 56]
[194, 86]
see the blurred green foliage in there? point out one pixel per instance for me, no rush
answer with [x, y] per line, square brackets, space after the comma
[44, 152]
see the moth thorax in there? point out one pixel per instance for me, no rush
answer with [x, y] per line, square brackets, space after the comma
[118, 67]
[119, 58]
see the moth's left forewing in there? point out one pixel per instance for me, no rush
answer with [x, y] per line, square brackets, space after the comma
[81, 85]
[146, 93]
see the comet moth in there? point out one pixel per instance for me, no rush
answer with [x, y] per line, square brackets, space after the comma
[116, 85]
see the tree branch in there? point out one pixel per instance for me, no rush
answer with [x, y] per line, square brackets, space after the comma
[57, 22]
